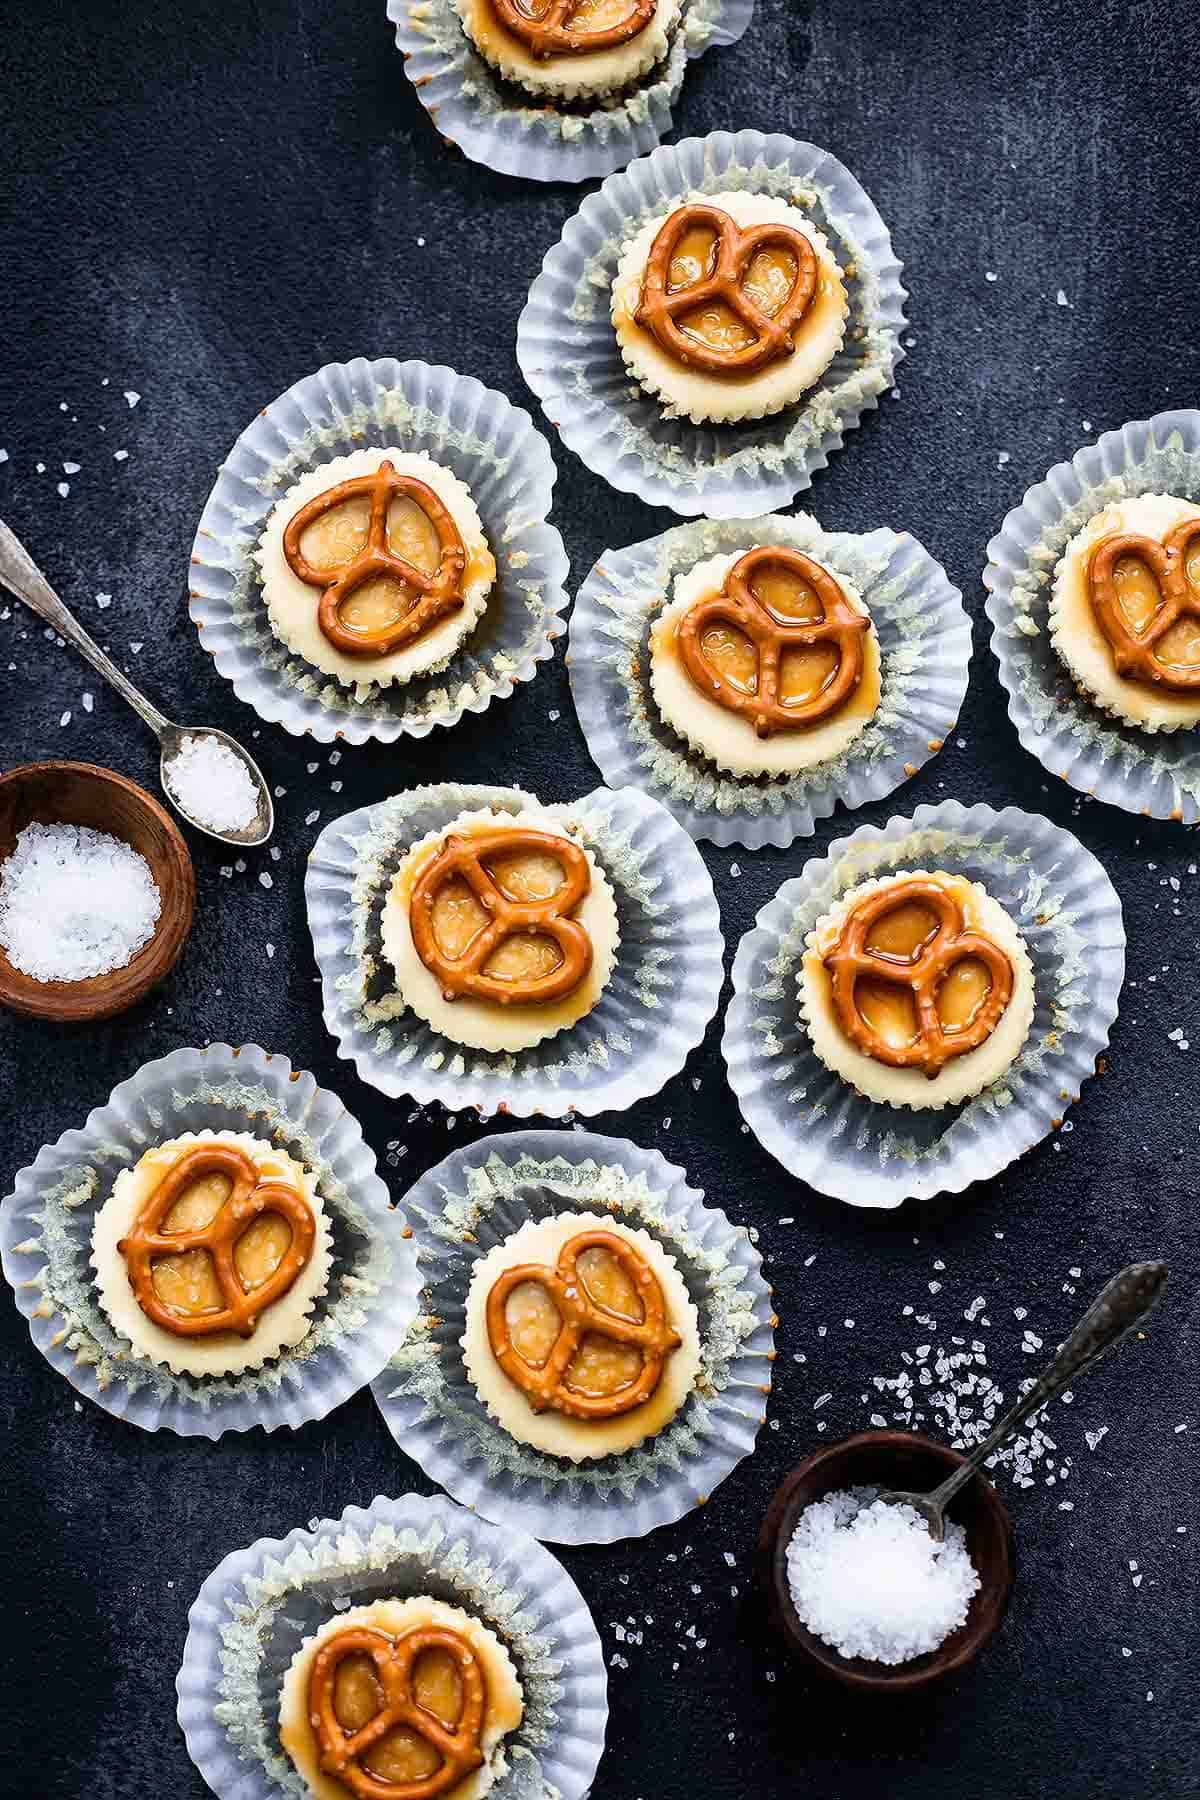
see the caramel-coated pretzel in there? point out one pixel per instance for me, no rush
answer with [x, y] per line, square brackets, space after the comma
[771, 633]
[922, 975]
[441, 592]
[1133, 650]
[342, 1751]
[249, 1197]
[736, 247]
[545, 1387]
[465, 857]
[550, 32]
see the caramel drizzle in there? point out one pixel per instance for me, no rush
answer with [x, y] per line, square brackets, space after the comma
[440, 593]
[848, 961]
[341, 1752]
[465, 858]
[771, 633]
[551, 32]
[545, 1385]
[1133, 651]
[250, 1196]
[735, 249]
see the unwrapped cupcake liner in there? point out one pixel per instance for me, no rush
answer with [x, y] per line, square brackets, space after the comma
[46, 1233]
[491, 445]
[1149, 772]
[651, 1015]
[494, 121]
[477, 1198]
[925, 645]
[874, 1155]
[257, 1607]
[569, 355]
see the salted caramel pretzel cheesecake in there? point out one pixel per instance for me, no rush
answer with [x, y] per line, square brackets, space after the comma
[917, 989]
[1125, 611]
[211, 1252]
[570, 49]
[400, 1700]
[766, 662]
[729, 307]
[375, 567]
[580, 1337]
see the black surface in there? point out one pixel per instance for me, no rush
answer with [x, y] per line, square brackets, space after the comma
[206, 202]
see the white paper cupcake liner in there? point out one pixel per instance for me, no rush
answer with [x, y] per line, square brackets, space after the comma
[875, 1155]
[255, 1609]
[1154, 773]
[477, 1198]
[494, 121]
[568, 350]
[924, 638]
[489, 444]
[46, 1231]
[651, 1015]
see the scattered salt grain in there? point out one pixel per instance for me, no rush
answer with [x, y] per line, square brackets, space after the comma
[131, 398]
[74, 903]
[210, 784]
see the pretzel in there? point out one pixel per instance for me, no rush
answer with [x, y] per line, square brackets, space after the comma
[465, 857]
[249, 1198]
[550, 33]
[441, 592]
[922, 974]
[341, 1751]
[1133, 650]
[772, 633]
[546, 1387]
[735, 249]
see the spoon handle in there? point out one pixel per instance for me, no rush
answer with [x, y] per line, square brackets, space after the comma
[1113, 1314]
[21, 575]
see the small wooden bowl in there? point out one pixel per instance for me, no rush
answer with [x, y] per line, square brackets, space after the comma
[74, 793]
[898, 1460]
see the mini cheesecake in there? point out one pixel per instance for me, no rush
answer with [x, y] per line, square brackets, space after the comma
[668, 345]
[604, 45]
[600, 1367]
[299, 567]
[917, 989]
[550, 912]
[1158, 690]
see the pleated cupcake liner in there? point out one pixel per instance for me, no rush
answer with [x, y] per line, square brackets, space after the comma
[925, 645]
[569, 355]
[258, 1605]
[495, 122]
[46, 1232]
[1152, 773]
[874, 1155]
[651, 1015]
[477, 1198]
[491, 445]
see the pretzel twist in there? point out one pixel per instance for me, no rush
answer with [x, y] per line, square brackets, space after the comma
[848, 961]
[249, 1197]
[550, 33]
[465, 858]
[841, 624]
[440, 593]
[341, 1751]
[1133, 651]
[545, 1386]
[736, 247]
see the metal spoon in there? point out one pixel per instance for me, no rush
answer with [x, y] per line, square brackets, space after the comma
[1111, 1316]
[21, 575]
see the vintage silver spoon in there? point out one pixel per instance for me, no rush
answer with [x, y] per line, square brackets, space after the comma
[21, 575]
[1111, 1316]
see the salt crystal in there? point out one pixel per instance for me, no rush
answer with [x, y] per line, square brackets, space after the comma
[120, 455]
[210, 783]
[103, 600]
[131, 398]
[74, 903]
[70, 468]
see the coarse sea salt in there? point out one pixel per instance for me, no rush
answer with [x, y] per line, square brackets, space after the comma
[868, 1579]
[74, 902]
[211, 785]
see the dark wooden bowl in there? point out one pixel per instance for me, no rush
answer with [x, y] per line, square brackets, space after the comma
[889, 1459]
[73, 793]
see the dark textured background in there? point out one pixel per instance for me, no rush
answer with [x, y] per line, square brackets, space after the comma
[205, 202]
